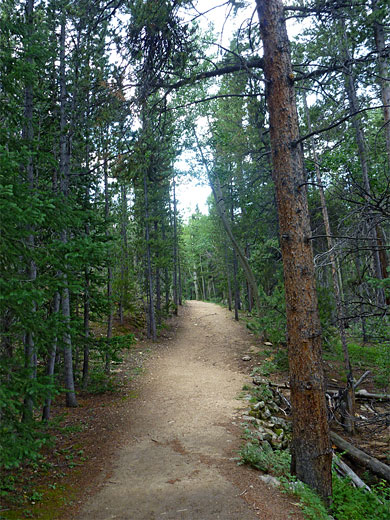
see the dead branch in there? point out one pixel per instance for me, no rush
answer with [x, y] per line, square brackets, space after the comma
[359, 456]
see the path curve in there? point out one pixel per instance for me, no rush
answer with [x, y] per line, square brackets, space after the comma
[176, 462]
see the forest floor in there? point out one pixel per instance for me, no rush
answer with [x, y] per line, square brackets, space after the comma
[173, 454]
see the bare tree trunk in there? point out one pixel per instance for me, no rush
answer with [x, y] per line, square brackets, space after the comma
[51, 361]
[28, 136]
[236, 287]
[384, 72]
[180, 281]
[125, 252]
[362, 152]
[175, 291]
[110, 316]
[195, 276]
[64, 176]
[158, 281]
[349, 422]
[229, 286]
[149, 273]
[311, 449]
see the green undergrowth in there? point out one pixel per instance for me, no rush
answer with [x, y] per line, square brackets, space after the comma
[348, 502]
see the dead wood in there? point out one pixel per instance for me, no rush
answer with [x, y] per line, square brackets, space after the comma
[371, 463]
[346, 471]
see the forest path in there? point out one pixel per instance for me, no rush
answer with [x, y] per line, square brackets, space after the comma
[175, 463]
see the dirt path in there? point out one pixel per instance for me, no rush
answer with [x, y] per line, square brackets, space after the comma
[176, 461]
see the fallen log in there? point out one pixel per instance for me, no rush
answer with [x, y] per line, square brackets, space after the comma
[346, 471]
[361, 379]
[371, 463]
[363, 394]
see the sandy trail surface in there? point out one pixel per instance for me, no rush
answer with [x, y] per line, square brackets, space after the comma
[176, 460]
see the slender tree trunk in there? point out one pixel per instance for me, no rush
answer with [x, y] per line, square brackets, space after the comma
[51, 361]
[236, 287]
[195, 276]
[158, 280]
[28, 136]
[175, 291]
[125, 252]
[220, 205]
[311, 449]
[180, 280]
[229, 285]
[85, 376]
[110, 316]
[362, 152]
[384, 71]
[64, 182]
[149, 273]
[349, 422]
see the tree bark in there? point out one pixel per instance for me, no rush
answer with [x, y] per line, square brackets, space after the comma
[28, 136]
[51, 361]
[175, 245]
[384, 73]
[311, 450]
[64, 183]
[149, 275]
[110, 315]
[363, 158]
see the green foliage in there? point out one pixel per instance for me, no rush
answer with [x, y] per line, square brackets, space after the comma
[265, 458]
[101, 383]
[350, 503]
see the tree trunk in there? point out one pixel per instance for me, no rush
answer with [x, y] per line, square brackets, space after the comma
[125, 252]
[64, 182]
[149, 273]
[195, 276]
[51, 361]
[311, 450]
[110, 316]
[28, 136]
[175, 291]
[229, 286]
[236, 287]
[362, 152]
[384, 72]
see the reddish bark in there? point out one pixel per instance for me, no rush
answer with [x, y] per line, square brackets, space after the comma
[311, 449]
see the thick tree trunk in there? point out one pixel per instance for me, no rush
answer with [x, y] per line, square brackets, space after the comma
[311, 450]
